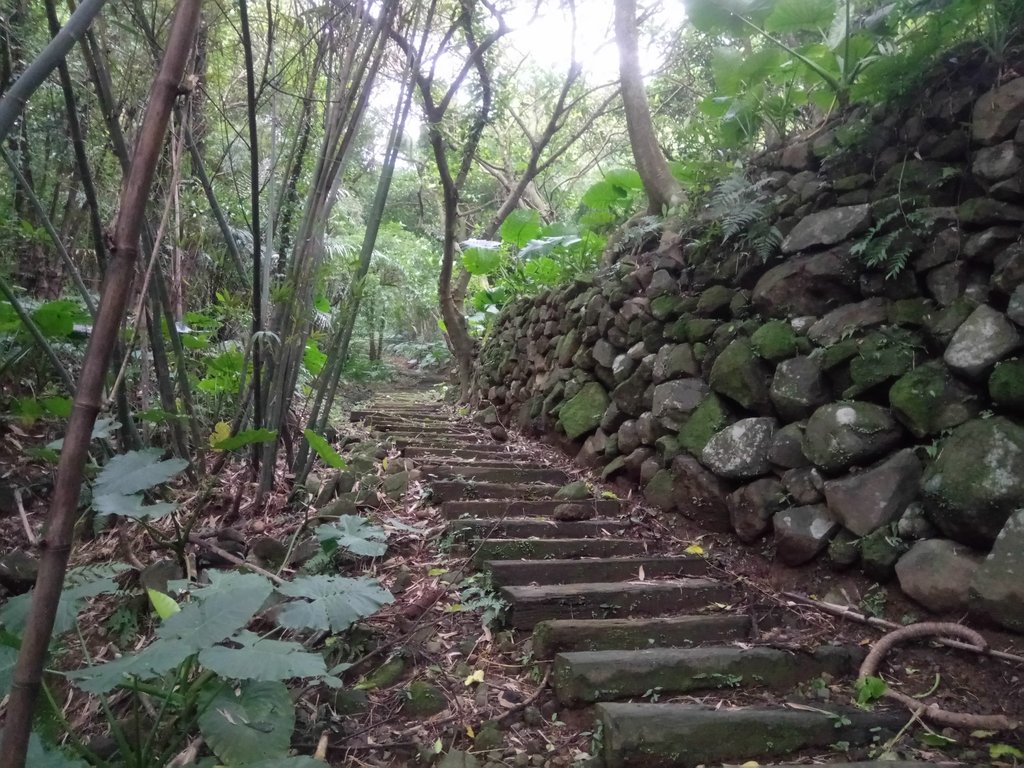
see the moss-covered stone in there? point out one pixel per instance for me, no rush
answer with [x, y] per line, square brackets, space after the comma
[667, 447]
[707, 419]
[844, 550]
[774, 341]
[488, 736]
[700, 329]
[882, 356]
[660, 491]
[738, 374]
[574, 491]
[423, 699]
[715, 301]
[612, 467]
[1006, 384]
[942, 325]
[879, 552]
[913, 312]
[839, 435]
[667, 306]
[929, 400]
[385, 675]
[582, 414]
[677, 331]
[977, 481]
[836, 354]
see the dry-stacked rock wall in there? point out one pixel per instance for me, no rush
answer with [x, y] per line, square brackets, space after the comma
[872, 419]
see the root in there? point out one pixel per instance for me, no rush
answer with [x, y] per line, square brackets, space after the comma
[932, 712]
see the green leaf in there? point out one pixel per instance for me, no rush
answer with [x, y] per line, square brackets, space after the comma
[259, 659]
[136, 471]
[869, 690]
[164, 605]
[330, 602]
[217, 611]
[931, 739]
[246, 437]
[724, 15]
[355, 534]
[800, 16]
[157, 659]
[58, 406]
[726, 69]
[625, 178]
[481, 261]
[80, 584]
[131, 506]
[313, 359]
[520, 227]
[602, 196]
[8, 658]
[56, 319]
[997, 751]
[247, 724]
[46, 756]
[324, 450]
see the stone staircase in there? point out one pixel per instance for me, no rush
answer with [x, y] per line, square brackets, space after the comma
[629, 627]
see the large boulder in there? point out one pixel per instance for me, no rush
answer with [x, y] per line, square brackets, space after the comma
[1006, 385]
[868, 500]
[801, 533]
[629, 396]
[582, 414]
[787, 449]
[708, 418]
[998, 112]
[827, 227]
[673, 361]
[985, 338]
[937, 573]
[674, 401]
[740, 451]
[699, 494]
[998, 585]
[751, 508]
[809, 285]
[928, 400]
[977, 481]
[839, 435]
[740, 375]
[851, 317]
[798, 388]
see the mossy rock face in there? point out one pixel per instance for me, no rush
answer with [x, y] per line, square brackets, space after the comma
[929, 400]
[775, 341]
[942, 325]
[349, 701]
[699, 329]
[844, 550]
[385, 675]
[489, 736]
[977, 481]
[738, 374]
[883, 356]
[660, 491]
[714, 301]
[424, 699]
[838, 353]
[707, 419]
[839, 435]
[879, 553]
[667, 306]
[1006, 385]
[575, 491]
[582, 414]
[912, 312]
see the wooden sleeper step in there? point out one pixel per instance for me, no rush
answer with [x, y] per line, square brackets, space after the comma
[564, 635]
[529, 605]
[496, 474]
[687, 736]
[560, 549]
[584, 677]
[541, 528]
[606, 569]
[458, 490]
[525, 507]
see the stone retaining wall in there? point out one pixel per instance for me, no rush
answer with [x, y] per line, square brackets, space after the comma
[873, 420]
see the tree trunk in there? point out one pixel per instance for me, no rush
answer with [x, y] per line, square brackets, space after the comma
[663, 191]
[28, 672]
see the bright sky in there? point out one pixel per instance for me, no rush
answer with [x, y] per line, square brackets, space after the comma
[546, 39]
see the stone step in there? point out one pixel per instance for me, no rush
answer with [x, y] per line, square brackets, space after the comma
[541, 549]
[541, 528]
[494, 461]
[407, 413]
[496, 474]
[457, 490]
[585, 677]
[529, 605]
[481, 452]
[466, 440]
[525, 508]
[563, 635]
[688, 735]
[519, 572]
[432, 433]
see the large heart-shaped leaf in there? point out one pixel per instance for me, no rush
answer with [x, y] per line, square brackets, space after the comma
[520, 227]
[136, 471]
[324, 450]
[481, 261]
[217, 611]
[801, 15]
[248, 724]
[8, 658]
[157, 659]
[355, 534]
[79, 585]
[330, 602]
[260, 659]
[133, 506]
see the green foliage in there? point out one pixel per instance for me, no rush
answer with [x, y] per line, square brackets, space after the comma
[324, 450]
[744, 211]
[330, 602]
[118, 486]
[244, 438]
[354, 534]
[869, 690]
[250, 723]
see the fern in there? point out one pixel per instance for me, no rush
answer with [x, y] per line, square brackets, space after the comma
[743, 210]
[875, 249]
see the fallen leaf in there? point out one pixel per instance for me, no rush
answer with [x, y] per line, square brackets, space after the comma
[476, 677]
